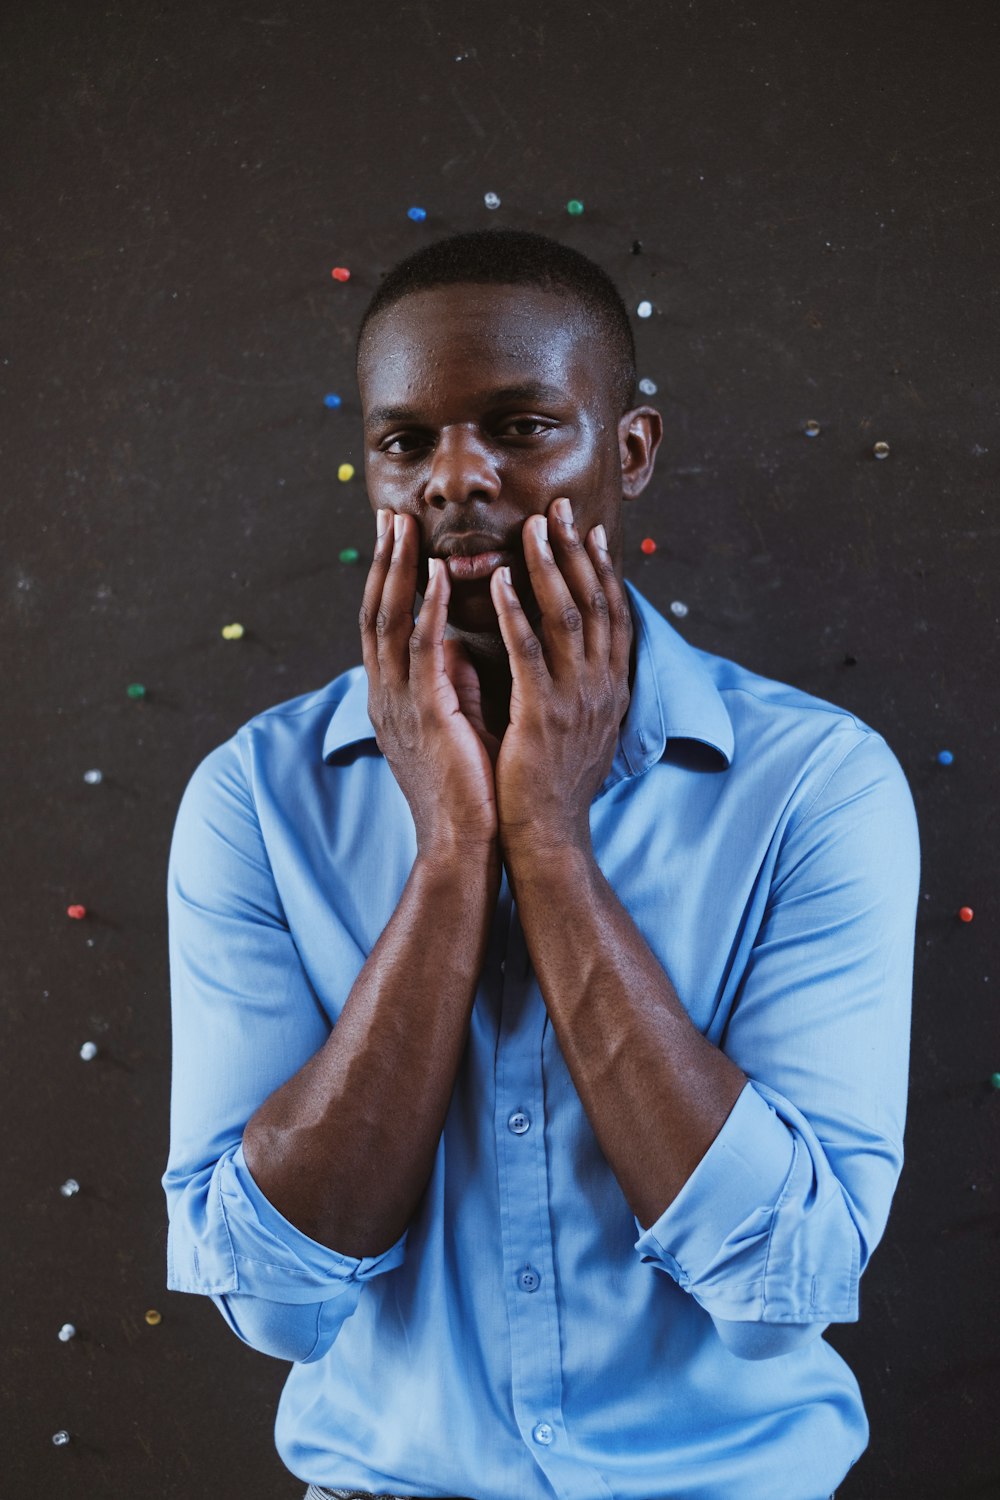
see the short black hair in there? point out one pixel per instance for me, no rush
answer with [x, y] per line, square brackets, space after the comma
[516, 257]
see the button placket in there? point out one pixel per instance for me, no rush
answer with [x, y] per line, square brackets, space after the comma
[526, 1227]
[523, 1184]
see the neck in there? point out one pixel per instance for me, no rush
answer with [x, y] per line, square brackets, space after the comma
[493, 671]
[489, 656]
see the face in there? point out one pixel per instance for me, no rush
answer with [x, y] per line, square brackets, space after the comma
[483, 404]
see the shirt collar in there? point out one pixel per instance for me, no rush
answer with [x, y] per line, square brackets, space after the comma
[673, 698]
[673, 695]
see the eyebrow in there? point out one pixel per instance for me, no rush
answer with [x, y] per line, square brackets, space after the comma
[533, 391]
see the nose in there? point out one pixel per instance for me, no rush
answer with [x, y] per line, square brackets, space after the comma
[461, 470]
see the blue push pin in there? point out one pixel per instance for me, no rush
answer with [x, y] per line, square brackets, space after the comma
[418, 215]
[332, 400]
[945, 758]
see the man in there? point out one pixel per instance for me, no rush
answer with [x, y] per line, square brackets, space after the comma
[541, 989]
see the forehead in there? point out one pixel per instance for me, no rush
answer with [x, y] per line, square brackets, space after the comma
[469, 335]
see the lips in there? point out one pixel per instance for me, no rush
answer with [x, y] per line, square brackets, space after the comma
[473, 555]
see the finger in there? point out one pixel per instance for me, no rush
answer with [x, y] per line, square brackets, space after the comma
[464, 678]
[427, 659]
[372, 597]
[528, 671]
[619, 613]
[577, 566]
[394, 618]
[562, 620]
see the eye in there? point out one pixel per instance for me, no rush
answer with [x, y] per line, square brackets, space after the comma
[404, 442]
[525, 426]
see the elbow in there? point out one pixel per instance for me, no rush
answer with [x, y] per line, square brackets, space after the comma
[765, 1340]
[298, 1333]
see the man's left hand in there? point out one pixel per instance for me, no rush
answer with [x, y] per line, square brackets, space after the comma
[569, 689]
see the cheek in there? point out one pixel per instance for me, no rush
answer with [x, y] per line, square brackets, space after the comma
[580, 469]
[378, 474]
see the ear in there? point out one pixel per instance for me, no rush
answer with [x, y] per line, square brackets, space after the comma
[639, 434]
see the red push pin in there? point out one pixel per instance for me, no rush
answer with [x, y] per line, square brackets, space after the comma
[76, 911]
[340, 273]
[966, 913]
[647, 545]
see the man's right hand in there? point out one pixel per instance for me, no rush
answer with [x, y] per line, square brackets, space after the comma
[442, 759]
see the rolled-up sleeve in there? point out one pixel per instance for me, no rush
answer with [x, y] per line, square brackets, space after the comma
[778, 1220]
[245, 1019]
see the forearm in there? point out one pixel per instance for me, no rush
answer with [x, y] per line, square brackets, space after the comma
[345, 1148]
[655, 1091]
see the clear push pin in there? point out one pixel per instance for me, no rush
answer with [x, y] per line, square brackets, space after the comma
[70, 1187]
[492, 200]
[88, 1051]
[66, 1332]
[647, 387]
[93, 778]
[60, 1439]
[811, 429]
[881, 450]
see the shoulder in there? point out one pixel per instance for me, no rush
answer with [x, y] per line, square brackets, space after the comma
[808, 751]
[782, 745]
[764, 709]
[281, 738]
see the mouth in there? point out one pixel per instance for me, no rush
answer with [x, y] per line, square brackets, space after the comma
[469, 568]
[473, 557]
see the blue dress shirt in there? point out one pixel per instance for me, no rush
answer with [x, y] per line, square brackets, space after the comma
[526, 1337]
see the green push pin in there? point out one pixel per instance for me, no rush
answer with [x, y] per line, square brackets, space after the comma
[995, 1080]
[349, 554]
[574, 207]
[136, 690]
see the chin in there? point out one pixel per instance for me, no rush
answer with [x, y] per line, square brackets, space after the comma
[478, 642]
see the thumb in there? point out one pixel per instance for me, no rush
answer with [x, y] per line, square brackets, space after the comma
[464, 679]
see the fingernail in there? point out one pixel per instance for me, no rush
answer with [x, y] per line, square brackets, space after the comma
[541, 530]
[433, 563]
[505, 575]
[381, 522]
[602, 538]
[397, 527]
[564, 511]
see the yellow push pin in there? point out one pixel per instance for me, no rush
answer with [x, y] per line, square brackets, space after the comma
[232, 632]
[345, 472]
[153, 1317]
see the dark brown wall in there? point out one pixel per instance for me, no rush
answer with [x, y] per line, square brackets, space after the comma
[815, 188]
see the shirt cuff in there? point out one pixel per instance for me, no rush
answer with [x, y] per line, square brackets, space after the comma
[713, 1237]
[276, 1260]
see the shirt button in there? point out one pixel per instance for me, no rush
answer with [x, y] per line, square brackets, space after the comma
[529, 1279]
[543, 1433]
[518, 1122]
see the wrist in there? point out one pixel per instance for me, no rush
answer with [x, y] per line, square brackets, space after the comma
[461, 860]
[548, 855]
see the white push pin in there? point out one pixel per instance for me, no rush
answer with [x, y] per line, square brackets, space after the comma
[645, 309]
[647, 387]
[69, 1187]
[678, 609]
[66, 1332]
[93, 778]
[88, 1051]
